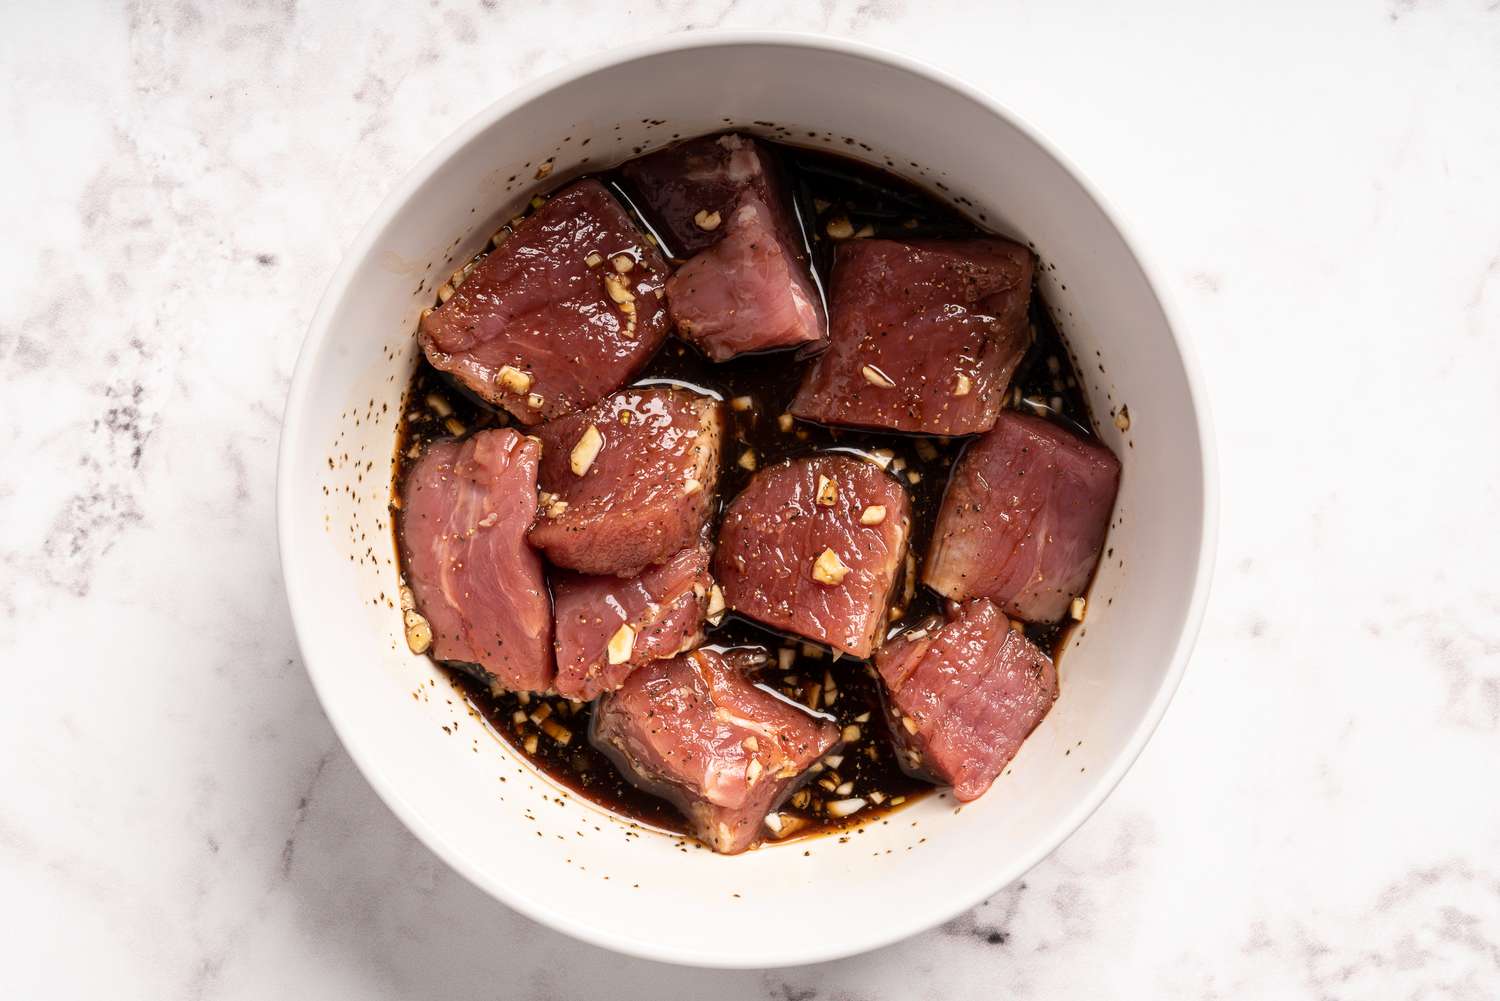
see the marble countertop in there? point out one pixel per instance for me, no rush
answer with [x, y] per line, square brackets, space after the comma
[1319, 815]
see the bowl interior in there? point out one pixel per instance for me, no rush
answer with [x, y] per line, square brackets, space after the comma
[562, 860]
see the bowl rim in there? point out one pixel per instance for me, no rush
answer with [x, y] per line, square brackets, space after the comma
[908, 921]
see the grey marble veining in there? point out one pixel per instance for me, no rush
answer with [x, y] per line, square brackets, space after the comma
[1318, 816]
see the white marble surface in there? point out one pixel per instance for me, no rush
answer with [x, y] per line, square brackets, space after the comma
[1319, 816]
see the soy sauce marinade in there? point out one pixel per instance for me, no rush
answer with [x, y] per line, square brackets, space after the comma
[553, 732]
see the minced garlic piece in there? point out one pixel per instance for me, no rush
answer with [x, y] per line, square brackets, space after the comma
[784, 422]
[1122, 419]
[962, 387]
[586, 450]
[741, 403]
[840, 228]
[872, 515]
[840, 808]
[829, 569]
[593, 259]
[828, 491]
[623, 262]
[691, 486]
[875, 377]
[418, 631]
[618, 290]
[747, 459]
[851, 734]
[1077, 607]
[514, 380]
[706, 220]
[621, 643]
[535, 401]
[716, 605]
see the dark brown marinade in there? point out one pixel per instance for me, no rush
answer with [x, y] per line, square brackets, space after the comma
[825, 187]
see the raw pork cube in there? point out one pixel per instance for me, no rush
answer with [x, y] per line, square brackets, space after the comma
[549, 322]
[607, 627]
[698, 733]
[814, 546]
[748, 292]
[747, 286]
[924, 336]
[963, 695]
[466, 506]
[680, 188]
[1023, 518]
[629, 482]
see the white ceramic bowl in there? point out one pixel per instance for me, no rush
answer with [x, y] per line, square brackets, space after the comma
[563, 861]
